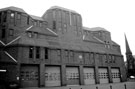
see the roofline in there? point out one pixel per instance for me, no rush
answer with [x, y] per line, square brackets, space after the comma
[8, 8]
[90, 29]
[62, 8]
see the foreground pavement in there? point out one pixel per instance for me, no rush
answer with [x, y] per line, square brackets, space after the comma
[124, 85]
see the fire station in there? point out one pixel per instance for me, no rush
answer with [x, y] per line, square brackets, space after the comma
[56, 50]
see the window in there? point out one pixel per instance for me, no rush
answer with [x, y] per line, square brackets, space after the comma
[54, 24]
[66, 53]
[37, 52]
[40, 24]
[108, 46]
[54, 15]
[105, 58]
[59, 15]
[71, 54]
[110, 59]
[74, 19]
[3, 33]
[79, 21]
[113, 59]
[11, 32]
[64, 16]
[12, 15]
[91, 56]
[35, 23]
[4, 16]
[46, 53]
[28, 18]
[18, 16]
[70, 18]
[31, 50]
[30, 34]
[65, 27]
[58, 52]
[36, 34]
[0, 17]
[99, 33]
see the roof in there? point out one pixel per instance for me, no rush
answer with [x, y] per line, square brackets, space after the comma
[13, 8]
[41, 30]
[90, 38]
[94, 29]
[58, 7]
[37, 17]
[56, 43]
[114, 43]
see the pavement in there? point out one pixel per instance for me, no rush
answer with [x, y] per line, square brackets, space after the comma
[123, 85]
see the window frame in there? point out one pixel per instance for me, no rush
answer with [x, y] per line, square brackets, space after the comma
[37, 54]
[46, 54]
[11, 32]
[31, 52]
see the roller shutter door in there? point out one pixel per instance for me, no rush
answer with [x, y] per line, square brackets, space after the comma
[115, 75]
[29, 76]
[72, 76]
[103, 75]
[52, 76]
[89, 76]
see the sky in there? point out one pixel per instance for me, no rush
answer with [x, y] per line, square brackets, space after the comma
[116, 16]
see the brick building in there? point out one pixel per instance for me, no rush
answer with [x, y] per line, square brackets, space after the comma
[56, 50]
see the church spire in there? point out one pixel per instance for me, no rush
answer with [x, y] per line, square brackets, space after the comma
[130, 60]
[128, 51]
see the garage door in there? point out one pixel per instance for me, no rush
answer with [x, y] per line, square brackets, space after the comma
[52, 76]
[115, 75]
[89, 76]
[72, 75]
[103, 75]
[29, 76]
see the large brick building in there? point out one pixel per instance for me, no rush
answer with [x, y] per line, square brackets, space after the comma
[56, 50]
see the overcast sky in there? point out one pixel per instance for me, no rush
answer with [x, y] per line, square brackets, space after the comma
[116, 16]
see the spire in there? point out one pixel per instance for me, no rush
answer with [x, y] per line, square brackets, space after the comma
[128, 51]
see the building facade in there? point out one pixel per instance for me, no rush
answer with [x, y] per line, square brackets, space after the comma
[56, 50]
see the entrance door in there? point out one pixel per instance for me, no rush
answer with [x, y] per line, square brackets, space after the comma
[115, 75]
[52, 76]
[72, 75]
[89, 76]
[29, 76]
[103, 75]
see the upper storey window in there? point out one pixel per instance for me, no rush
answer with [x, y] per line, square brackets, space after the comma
[29, 34]
[35, 23]
[31, 51]
[59, 15]
[18, 16]
[54, 24]
[46, 53]
[28, 18]
[40, 24]
[79, 22]
[0, 16]
[37, 52]
[11, 32]
[12, 15]
[54, 14]
[4, 16]
[3, 33]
